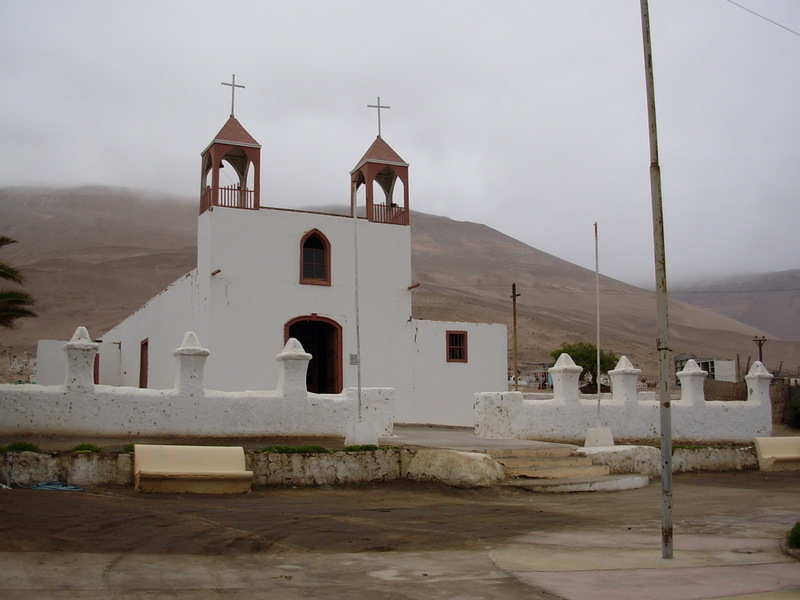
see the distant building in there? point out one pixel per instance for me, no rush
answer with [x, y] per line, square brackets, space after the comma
[719, 369]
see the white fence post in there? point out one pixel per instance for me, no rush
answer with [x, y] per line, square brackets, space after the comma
[81, 351]
[758, 380]
[692, 379]
[565, 374]
[190, 366]
[292, 367]
[624, 381]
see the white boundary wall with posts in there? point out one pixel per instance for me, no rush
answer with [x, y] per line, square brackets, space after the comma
[566, 415]
[79, 407]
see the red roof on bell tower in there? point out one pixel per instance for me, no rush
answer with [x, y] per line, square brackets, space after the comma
[380, 152]
[234, 133]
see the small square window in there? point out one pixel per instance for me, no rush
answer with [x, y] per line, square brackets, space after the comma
[456, 346]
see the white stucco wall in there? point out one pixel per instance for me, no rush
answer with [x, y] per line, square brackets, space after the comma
[443, 392]
[78, 406]
[257, 292]
[566, 415]
[162, 321]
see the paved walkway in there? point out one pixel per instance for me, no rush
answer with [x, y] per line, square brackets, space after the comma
[595, 565]
[456, 438]
[735, 556]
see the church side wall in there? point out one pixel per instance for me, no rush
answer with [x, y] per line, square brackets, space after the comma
[163, 321]
[445, 391]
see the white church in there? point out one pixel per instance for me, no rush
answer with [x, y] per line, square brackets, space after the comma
[340, 284]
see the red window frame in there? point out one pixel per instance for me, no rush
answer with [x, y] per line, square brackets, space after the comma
[325, 256]
[456, 342]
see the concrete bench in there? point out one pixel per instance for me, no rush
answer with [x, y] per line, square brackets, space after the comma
[778, 453]
[190, 469]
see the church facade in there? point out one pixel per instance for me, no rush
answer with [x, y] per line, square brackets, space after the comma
[339, 284]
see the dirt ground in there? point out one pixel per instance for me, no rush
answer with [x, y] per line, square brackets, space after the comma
[396, 516]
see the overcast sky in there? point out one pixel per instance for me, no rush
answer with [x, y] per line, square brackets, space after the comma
[528, 116]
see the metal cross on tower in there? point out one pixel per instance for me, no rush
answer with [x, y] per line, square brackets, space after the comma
[233, 86]
[379, 107]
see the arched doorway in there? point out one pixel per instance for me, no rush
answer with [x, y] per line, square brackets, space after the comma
[322, 338]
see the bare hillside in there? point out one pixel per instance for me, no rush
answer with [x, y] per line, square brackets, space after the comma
[770, 302]
[93, 255]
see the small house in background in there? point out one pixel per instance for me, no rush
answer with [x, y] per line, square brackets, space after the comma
[719, 369]
[265, 275]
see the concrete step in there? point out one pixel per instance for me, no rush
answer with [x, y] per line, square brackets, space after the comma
[608, 483]
[521, 462]
[541, 452]
[560, 472]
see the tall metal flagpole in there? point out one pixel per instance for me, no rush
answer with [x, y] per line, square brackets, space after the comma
[662, 341]
[358, 325]
[597, 310]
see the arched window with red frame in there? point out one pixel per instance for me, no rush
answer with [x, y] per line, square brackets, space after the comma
[315, 259]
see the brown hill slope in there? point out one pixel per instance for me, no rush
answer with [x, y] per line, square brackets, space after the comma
[93, 255]
[770, 302]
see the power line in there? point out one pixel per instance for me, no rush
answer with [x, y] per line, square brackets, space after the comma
[763, 17]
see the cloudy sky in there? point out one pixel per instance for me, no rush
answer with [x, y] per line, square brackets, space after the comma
[528, 116]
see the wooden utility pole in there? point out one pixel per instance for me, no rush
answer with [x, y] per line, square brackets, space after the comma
[514, 296]
[760, 341]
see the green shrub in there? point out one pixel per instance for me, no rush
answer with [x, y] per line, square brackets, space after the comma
[296, 450]
[793, 536]
[22, 447]
[792, 412]
[361, 448]
[87, 448]
[127, 449]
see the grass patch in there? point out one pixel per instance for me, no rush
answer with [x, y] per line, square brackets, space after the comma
[708, 447]
[793, 536]
[87, 449]
[22, 447]
[361, 448]
[127, 449]
[311, 449]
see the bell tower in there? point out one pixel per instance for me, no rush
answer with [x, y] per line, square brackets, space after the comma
[383, 165]
[236, 147]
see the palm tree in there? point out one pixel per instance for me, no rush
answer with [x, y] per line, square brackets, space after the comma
[14, 304]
